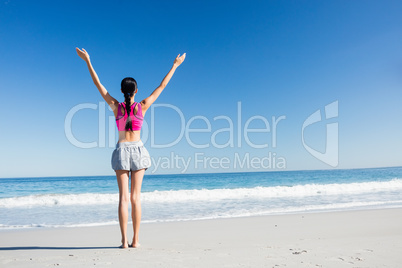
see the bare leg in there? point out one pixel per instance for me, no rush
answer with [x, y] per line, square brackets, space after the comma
[136, 183]
[122, 181]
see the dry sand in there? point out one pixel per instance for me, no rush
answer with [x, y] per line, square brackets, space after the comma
[368, 238]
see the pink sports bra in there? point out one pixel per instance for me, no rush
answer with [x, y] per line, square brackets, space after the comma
[136, 119]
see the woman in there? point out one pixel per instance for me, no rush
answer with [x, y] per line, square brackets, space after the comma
[130, 154]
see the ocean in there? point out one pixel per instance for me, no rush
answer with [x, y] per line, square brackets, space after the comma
[90, 201]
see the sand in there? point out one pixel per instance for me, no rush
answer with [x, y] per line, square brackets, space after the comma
[367, 238]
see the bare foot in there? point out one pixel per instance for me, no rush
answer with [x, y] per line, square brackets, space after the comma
[124, 245]
[135, 245]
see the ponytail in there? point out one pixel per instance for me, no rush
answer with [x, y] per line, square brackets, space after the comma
[127, 98]
[128, 87]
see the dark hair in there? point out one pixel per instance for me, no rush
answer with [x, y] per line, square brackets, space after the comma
[128, 86]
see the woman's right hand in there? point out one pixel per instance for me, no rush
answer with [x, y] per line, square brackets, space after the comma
[179, 60]
[83, 54]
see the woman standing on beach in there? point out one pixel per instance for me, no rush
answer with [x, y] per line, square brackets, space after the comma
[130, 154]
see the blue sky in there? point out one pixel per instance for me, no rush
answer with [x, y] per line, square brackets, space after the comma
[275, 58]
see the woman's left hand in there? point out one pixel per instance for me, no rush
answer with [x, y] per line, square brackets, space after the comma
[179, 60]
[83, 54]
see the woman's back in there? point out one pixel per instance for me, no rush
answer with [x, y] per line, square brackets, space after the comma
[136, 117]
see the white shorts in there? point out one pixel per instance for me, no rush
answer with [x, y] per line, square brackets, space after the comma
[130, 156]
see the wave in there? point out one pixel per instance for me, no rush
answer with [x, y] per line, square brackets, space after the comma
[278, 211]
[59, 200]
[27, 226]
[205, 194]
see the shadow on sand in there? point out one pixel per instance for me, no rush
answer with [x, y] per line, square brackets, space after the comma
[55, 248]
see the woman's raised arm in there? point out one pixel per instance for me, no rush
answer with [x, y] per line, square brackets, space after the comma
[102, 90]
[146, 103]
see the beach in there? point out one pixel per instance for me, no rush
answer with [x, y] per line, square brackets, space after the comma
[354, 238]
[260, 134]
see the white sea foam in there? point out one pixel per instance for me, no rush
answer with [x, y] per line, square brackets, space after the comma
[231, 214]
[59, 200]
[27, 226]
[205, 195]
